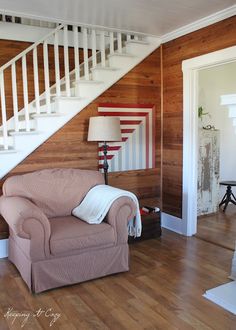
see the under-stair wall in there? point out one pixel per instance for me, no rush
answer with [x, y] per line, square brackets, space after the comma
[69, 148]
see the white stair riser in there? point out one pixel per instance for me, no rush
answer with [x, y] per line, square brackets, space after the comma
[85, 90]
[132, 48]
[104, 75]
[120, 61]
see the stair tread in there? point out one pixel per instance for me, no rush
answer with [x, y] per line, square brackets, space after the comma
[82, 81]
[23, 132]
[140, 42]
[69, 98]
[45, 114]
[106, 68]
[121, 55]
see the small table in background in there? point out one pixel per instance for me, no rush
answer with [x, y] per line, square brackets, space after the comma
[229, 196]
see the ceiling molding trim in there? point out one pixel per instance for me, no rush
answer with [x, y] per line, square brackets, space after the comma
[201, 23]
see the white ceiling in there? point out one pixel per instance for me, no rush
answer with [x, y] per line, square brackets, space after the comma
[157, 17]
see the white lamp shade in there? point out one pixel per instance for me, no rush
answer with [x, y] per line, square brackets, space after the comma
[104, 129]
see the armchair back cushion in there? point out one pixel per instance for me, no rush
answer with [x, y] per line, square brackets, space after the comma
[55, 191]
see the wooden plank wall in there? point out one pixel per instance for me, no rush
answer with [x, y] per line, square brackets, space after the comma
[69, 146]
[215, 37]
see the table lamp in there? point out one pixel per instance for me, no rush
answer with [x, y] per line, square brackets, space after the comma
[104, 129]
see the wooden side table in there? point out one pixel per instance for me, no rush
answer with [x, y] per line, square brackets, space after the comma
[229, 196]
[151, 227]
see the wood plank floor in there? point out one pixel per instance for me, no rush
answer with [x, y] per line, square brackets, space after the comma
[219, 228]
[162, 290]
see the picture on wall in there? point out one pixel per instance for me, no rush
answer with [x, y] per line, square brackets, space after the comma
[137, 149]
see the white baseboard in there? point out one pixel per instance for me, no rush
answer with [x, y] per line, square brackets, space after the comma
[3, 248]
[172, 223]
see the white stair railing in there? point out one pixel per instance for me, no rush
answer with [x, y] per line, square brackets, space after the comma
[101, 43]
[9, 18]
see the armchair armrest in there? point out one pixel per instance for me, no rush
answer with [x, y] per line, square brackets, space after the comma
[121, 211]
[27, 221]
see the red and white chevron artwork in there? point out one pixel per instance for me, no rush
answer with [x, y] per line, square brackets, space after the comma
[137, 148]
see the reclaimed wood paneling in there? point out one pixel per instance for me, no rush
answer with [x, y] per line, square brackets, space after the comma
[69, 147]
[215, 37]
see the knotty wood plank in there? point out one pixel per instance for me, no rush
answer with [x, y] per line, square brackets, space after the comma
[203, 41]
[219, 228]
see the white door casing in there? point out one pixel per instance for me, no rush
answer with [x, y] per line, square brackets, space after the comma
[190, 130]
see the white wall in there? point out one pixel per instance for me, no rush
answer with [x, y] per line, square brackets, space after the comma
[213, 83]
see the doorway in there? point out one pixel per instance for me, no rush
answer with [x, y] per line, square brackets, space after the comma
[216, 155]
[191, 69]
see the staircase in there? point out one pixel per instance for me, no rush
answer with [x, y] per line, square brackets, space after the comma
[230, 102]
[113, 54]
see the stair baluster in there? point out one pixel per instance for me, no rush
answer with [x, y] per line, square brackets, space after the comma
[57, 66]
[119, 37]
[46, 76]
[102, 46]
[111, 42]
[25, 93]
[94, 49]
[4, 114]
[66, 61]
[36, 80]
[76, 52]
[85, 51]
[14, 96]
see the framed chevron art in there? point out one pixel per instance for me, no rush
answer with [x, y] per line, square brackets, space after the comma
[137, 148]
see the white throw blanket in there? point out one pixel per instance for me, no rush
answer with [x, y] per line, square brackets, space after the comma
[97, 203]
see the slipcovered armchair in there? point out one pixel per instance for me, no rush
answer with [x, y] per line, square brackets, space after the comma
[49, 246]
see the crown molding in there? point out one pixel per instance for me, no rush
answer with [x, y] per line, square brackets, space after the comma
[201, 23]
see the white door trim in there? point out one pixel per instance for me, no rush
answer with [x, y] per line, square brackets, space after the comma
[190, 130]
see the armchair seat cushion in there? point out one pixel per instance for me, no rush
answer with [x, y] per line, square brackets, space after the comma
[69, 234]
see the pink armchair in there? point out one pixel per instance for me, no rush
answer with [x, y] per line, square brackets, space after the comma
[49, 246]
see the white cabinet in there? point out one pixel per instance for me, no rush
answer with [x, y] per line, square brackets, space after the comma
[208, 171]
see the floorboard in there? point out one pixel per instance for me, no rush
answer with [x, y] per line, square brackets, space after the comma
[162, 290]
[219, 228]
